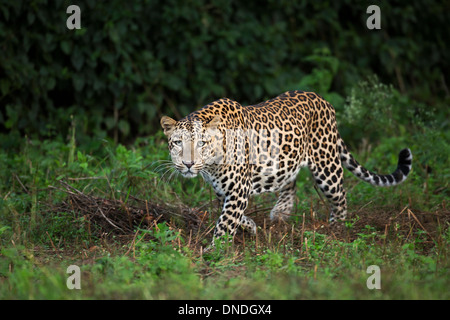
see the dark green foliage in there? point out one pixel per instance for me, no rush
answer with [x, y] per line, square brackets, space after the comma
[133, 61]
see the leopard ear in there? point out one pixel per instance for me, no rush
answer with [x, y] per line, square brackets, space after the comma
[168, 125]
[214, 123]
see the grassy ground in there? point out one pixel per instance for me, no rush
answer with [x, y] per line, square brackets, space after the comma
[137, 230]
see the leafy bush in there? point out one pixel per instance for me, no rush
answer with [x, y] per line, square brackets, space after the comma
[372, 111]
[133, 61]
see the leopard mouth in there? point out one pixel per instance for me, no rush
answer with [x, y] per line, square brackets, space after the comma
[188, 172]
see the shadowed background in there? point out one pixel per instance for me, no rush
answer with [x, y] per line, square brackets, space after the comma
[134, 61]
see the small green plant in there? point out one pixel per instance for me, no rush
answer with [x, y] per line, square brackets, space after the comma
[322, 75]
[370, 106]
[271, 260]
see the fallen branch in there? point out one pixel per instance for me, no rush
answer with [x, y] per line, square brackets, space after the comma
[119, 217]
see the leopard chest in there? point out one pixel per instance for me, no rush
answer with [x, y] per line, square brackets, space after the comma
[230, 180]
[279, 165]
[274, 178]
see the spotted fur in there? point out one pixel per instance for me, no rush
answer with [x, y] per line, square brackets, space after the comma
[243, 151]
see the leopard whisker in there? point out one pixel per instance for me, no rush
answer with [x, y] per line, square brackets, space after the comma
[163, 164]
[175, 172]
[163, 167]
[169, 169]
[155, 163]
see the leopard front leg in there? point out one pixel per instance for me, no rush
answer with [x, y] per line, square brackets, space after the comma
[246, 222]
[231, 217]
[235, 202]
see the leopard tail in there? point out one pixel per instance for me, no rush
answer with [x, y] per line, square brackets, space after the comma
[386, 180]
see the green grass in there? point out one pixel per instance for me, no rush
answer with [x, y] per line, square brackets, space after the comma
[161, 270]
[300, 260]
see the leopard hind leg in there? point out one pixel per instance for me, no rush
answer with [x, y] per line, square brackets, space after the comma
[248, 224]
[329, 179]
[285, 203]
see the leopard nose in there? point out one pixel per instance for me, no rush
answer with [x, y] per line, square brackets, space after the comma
[188, 164]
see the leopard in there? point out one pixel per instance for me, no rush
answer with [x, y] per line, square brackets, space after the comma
[242, 151]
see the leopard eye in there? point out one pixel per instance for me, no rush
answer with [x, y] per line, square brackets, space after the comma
[201, 143]
[178, 143]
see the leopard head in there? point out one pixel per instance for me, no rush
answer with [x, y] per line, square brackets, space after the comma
[193, 144]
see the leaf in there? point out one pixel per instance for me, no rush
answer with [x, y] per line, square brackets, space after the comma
[31, 17]
[77, 58]
[51, 82]
[78, 82]
[66, 46]
[114, 35]
[4, 86]
[124, 127]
